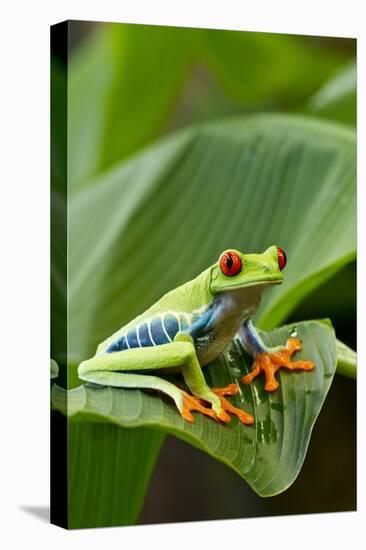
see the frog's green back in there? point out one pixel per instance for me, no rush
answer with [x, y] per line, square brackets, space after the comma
[190, 296]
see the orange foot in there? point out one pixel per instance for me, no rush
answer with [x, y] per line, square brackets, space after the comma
[269, 363]
[191, 403]
[232, 389]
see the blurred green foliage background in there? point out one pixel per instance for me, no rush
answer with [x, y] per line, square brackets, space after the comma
[129, 86]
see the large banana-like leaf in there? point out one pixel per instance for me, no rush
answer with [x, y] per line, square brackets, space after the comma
[157, 220]
[160, 219]
[109, 471]
[122, 83]
[268, 455]
[336, 99]
[269, 68]
[126, 81]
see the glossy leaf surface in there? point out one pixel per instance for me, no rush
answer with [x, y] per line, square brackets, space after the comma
[268, 455]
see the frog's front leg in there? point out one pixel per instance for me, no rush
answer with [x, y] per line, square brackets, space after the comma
[269, 360]
[193, 377]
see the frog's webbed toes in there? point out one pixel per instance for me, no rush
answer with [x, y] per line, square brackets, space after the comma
[232, 389]
[270, 362]
[191, 403]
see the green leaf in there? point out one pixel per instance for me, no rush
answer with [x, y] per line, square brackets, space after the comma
[268, 455]
[336, 100]
[159, 219]
[123, 81]
[150, 65]
[90, 77]
[109, 471]
[59, 282]
[268, 68]
[58, 124]
[126, 83]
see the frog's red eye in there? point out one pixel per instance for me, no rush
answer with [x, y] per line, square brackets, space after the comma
[281, 258]
[230, 263]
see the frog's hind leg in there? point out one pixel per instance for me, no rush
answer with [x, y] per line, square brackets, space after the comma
[137, 381]
[120, 369]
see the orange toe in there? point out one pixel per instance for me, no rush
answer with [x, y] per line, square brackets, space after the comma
[191, 403]
[223, 416]
[269, 363]
[232, 389]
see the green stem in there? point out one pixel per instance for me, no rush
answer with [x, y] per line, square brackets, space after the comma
[347, 360]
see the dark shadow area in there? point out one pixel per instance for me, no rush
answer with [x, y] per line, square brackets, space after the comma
[40, 512]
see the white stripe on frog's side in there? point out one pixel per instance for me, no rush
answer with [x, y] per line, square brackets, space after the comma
[148, 322]
[138, 336]
[184, 321]
[126, 339]
[164, 329]
[188, 317]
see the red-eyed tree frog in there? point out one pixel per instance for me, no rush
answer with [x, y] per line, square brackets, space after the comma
[189, 328]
